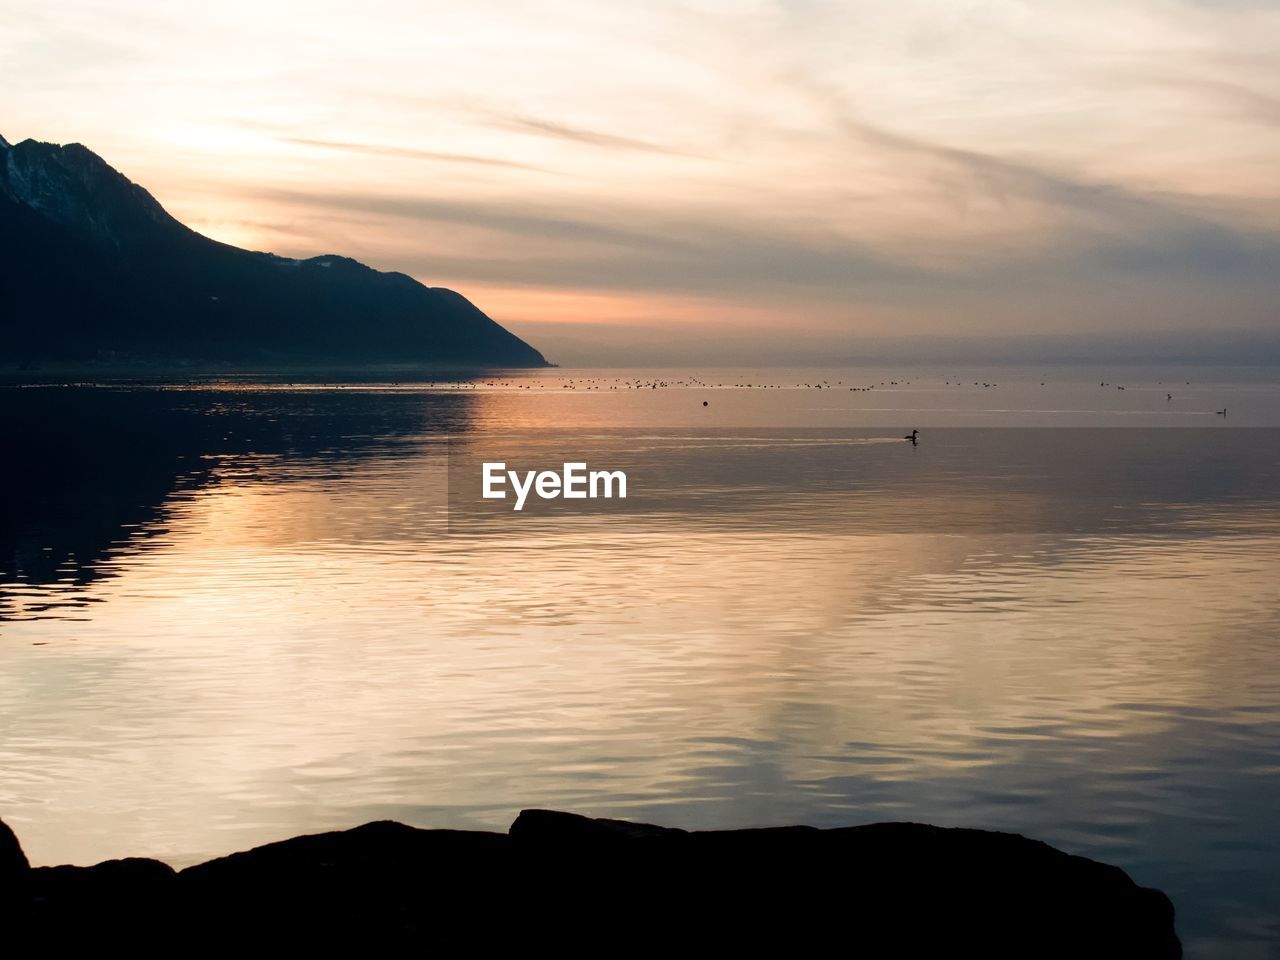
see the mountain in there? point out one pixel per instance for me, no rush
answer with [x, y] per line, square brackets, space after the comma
[93, 269]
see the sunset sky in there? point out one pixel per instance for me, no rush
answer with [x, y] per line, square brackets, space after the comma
[625, 182]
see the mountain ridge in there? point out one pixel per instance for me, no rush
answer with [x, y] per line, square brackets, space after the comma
[96, 270]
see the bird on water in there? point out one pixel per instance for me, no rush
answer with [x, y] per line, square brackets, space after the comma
[912, 436]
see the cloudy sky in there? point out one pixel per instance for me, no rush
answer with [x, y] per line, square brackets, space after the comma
[630, 182]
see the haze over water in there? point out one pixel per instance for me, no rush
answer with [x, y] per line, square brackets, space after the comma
[233, 612]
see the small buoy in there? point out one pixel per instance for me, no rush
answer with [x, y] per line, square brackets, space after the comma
[704, 403]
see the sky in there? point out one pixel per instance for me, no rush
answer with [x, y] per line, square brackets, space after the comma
[664, 182]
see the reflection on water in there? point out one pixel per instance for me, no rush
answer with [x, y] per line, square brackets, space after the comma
[962, 480]
[228, 616]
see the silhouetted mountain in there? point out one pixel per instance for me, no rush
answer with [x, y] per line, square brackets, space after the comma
[94, 269]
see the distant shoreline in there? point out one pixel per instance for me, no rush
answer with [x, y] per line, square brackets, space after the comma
[58, 374]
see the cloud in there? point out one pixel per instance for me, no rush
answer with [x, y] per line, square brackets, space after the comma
[661, 250]
[1222, 96]
[409, 153]
[1093, 230]
[608, 141]
[522, 222]
[1127, 228]
[849, 169]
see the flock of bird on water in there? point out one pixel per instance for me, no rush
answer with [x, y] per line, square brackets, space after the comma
[638, 383]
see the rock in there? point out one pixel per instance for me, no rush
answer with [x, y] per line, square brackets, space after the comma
[66, 908]
[563, 883]
[554, 827]
[111, 880]
[13, 862]
[926, 890]
[361, 861]
[383, 880]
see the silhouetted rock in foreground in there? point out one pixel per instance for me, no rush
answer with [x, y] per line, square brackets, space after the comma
[13, 862]
[569, 884]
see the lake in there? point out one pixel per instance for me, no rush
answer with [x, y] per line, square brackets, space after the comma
[236, 610]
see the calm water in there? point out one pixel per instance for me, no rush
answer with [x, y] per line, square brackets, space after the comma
[230, 613]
